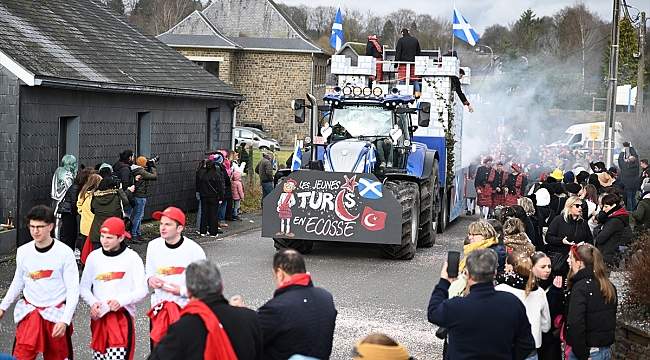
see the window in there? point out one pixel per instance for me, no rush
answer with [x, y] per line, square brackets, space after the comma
[69, 136]
[210, 66]
[214, 128]
[143, 144]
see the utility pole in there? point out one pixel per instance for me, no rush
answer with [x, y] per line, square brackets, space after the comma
[639, 79]
[613, 82]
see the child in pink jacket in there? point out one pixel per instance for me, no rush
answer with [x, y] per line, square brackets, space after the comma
[237, 193]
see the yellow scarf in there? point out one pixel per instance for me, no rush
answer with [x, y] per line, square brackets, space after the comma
[483, 244]
[379, 352]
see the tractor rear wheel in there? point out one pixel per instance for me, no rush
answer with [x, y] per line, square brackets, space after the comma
[428, 208]
[408, 195]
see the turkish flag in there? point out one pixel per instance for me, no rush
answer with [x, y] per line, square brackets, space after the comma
[373, 220]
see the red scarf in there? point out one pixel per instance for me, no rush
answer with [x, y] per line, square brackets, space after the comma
[217, 344]
[373, 39]
[298, 279]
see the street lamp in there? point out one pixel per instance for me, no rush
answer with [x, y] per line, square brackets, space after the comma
[478, 49]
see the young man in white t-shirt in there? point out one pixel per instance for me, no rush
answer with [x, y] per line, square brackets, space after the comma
[167, 258]
[47, 275]
[112, 283]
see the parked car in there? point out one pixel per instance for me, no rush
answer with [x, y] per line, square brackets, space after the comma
[254, 124]
[253, 136]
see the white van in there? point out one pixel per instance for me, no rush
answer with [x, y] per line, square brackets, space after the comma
[578, 136]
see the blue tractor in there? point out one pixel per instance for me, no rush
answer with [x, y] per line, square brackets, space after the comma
[363, 175]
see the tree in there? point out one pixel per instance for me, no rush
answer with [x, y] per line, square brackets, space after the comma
[388, 34]
[116, 5]
[494, 35]
[526, 31]
[353, 25]
[580, 34]
[627, 63]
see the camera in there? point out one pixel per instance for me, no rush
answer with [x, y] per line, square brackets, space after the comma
[626, 144]
[114, 182]
[152, 162]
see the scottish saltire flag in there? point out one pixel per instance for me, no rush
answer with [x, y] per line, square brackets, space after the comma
[336, 40]
[463, 30]
[371, 160]
[297, 157]
[369, 189]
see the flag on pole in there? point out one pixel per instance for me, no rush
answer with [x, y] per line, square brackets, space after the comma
[336, 40]
[296, 163]
[371, 160]
[463, 30]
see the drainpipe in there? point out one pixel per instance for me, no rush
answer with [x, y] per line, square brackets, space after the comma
[234, 123]
[311, 82]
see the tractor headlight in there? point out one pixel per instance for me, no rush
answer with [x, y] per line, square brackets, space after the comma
[347, 90]
[357, 91]
[377, 91]
[367, 91]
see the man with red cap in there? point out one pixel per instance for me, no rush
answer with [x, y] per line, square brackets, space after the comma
[47, 275]
[112, 283]
[167, 258]
[515, 185]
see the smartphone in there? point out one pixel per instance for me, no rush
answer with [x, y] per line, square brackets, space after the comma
[453, 259]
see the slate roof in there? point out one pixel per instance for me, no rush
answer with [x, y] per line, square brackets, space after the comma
[281, 44]
[181, 40]
[83, 44]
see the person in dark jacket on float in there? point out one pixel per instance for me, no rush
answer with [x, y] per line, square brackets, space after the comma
[300, 318]
[591, 305]
[408, 47]
[374, 49]
[608, 239]
[486, 324]
[567, 229]
[209, 328]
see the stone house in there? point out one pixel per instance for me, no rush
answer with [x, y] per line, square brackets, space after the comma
[76, 78]
[253, 46]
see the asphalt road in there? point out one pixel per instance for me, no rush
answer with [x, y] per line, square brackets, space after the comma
[372, 294]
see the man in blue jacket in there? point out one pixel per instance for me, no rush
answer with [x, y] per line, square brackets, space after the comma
[300, 318]
[486, 324]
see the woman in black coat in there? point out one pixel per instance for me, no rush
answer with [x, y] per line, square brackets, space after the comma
[565, 230]
[609, 234]
[591, 305]
[209, 185]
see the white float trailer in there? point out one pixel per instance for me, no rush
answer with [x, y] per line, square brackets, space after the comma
[343, 192]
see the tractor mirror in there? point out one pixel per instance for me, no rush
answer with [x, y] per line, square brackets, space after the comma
[395, 134]
[326, 131]
[424, 114]
[299, 106]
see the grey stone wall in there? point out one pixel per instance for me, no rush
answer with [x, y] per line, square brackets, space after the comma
[249, 18]
[107, 126]
[9, 107]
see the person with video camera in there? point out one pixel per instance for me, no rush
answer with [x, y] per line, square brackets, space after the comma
[122, 169]
[143, 171]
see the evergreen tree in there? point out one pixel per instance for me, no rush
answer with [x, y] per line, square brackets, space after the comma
[388, 34]
[116, 5]
[627, 63]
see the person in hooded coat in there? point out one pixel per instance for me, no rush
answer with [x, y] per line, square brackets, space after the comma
[374, 49]
[610, 233]
[107, 201]
[641, 217]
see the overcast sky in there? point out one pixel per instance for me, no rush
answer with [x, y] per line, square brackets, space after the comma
[479, 13]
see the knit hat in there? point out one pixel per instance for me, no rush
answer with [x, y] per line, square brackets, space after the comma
[543, 197]
[487, 158]
[114, 226]
[141, 161]
[171, 212]
[569, 177]
[605, 179]
[557, 174]
[367, 351]
[573, 188]
[613, 169]
[216, 158]
[105, 170]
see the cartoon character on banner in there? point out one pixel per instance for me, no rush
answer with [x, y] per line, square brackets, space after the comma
[286, 201]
